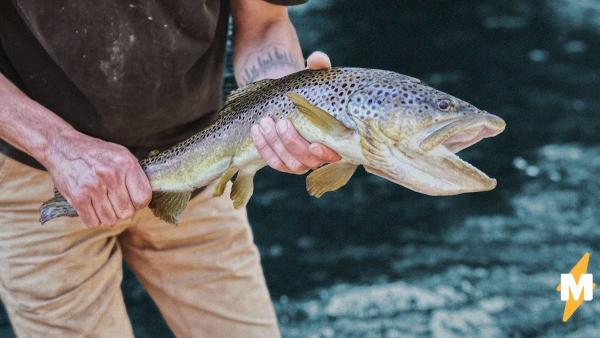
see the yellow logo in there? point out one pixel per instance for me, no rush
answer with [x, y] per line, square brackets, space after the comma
[573, 284]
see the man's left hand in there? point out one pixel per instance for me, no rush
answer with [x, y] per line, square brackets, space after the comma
[282, 147]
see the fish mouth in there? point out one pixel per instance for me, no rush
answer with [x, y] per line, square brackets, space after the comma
[460, 134]
[428, 163]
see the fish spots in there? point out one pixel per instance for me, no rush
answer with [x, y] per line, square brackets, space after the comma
[397, 100]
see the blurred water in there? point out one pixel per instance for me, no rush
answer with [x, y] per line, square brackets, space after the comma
[488, 275]
[376, 260]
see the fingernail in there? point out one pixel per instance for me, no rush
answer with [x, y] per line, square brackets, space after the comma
[282, 126]
[316, 150]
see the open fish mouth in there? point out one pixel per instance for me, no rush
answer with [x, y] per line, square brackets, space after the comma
[428, 163]
[447, 139]
[462, 133]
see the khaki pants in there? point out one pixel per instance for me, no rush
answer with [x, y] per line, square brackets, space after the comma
[63, 280]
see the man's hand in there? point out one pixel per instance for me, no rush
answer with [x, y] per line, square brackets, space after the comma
[103, 181]
[282, 147]
[265, 46]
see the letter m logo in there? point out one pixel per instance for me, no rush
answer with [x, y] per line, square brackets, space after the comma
[568, 287]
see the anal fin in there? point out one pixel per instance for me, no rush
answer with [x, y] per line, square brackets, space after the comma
[168, 205]
[242, 189]
[225, 178]
[330, 177]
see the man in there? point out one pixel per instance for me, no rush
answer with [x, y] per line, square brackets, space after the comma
[88, 86]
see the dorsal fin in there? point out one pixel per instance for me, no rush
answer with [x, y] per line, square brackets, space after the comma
[249, 88]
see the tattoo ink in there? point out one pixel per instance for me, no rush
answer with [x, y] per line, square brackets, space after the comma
[271, 58]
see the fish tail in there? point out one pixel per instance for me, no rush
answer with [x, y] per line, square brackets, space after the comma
[55, 207]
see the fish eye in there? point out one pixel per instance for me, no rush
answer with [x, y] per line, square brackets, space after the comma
[444, 104]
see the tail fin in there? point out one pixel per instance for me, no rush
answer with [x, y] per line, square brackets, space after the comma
[55, 207]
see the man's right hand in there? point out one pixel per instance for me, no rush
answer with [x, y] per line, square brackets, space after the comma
[103, 181]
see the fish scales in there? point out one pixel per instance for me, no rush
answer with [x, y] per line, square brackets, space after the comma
[329, 90]
[388, 122]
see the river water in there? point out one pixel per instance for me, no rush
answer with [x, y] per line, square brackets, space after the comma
[376, 260]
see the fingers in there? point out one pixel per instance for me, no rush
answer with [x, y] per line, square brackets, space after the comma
[120, 200]
[104, 209]
[138, 187]
[318, 60]
[92, 204]
[271, 148]
[270, 133]
[284, 149]
[109, 196]
[296, 145]
[111, 185]
[86, 212]
[265, 151]
[324, 153]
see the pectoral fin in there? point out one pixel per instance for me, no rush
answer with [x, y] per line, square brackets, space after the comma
[242, 189]
[169, 205]
[225, 178]
[373, 143]
[330, 177]
[317, 116]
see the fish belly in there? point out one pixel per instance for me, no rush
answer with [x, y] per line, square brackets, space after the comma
[190, 171]
[247, 159]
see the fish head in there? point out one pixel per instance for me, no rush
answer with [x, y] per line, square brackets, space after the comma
[411, 134]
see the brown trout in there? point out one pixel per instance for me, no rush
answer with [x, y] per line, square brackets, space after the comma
[392, 124]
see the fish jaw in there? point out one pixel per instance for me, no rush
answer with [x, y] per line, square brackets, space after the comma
[438, 173]
[458, 134]
[427, 162]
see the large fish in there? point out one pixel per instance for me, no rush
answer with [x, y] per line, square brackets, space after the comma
[392, 124]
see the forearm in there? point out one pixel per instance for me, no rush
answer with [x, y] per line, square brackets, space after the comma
[103, 181]
[269, 49]
[26, 124]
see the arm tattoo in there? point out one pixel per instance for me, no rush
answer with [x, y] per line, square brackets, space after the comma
[272, 59]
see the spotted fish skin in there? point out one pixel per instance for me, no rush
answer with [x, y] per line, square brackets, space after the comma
[374, 118]
[185, 165]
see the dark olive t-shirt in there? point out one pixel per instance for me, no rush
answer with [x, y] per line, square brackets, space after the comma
[142, 73]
